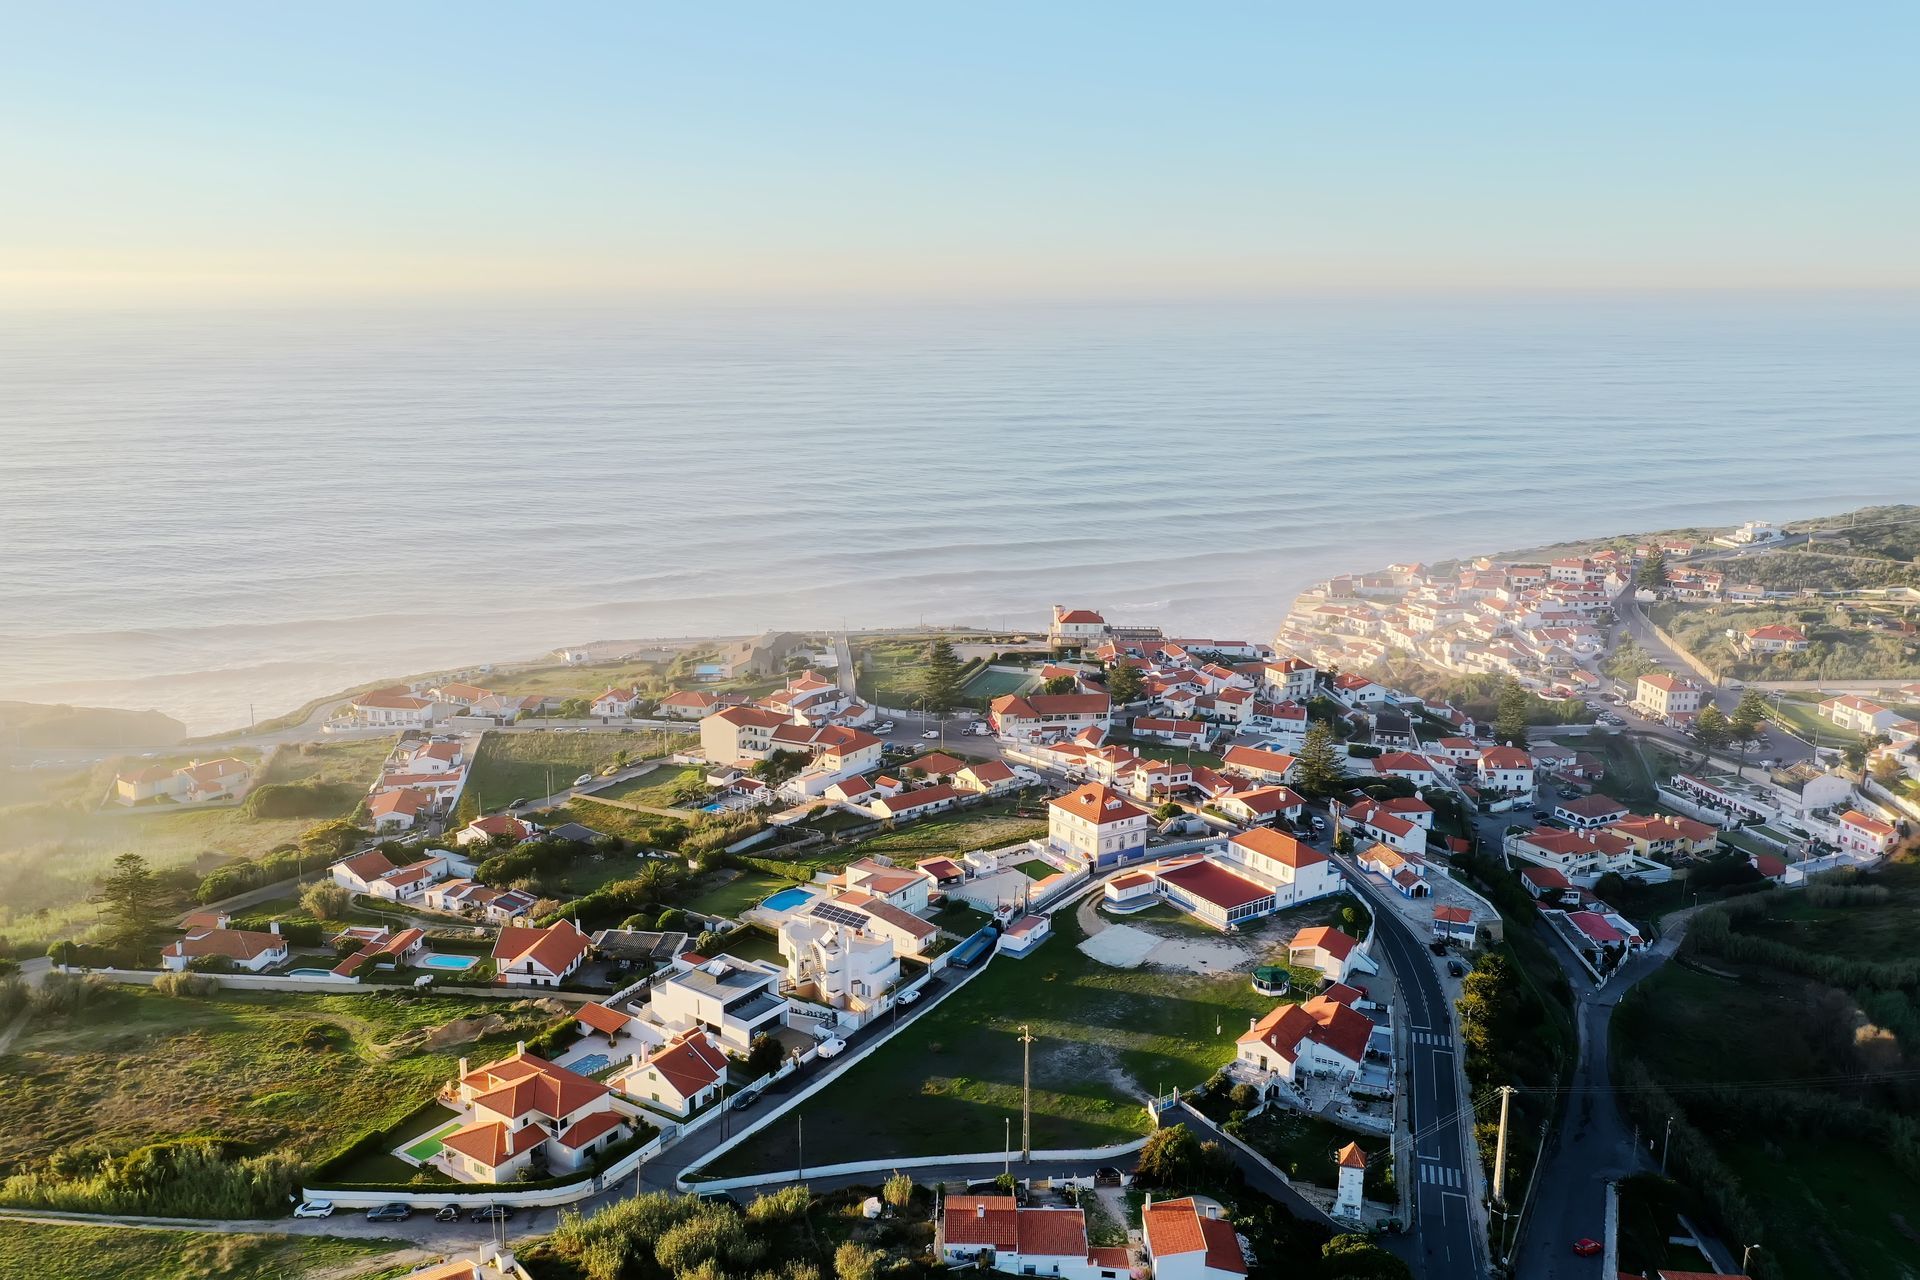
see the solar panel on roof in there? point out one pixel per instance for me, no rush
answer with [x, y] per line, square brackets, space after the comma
[833, 913]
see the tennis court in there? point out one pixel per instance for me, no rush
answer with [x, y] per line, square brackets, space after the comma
[990, 682]
[428, 1147]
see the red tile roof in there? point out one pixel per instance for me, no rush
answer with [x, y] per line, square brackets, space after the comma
[492, 1143]
[606, 1021]
[1594, 806]
[1282, 848]
[552, 948]
[690, 1063]
[1098, 804]
[589, 1127]
[1327, 938]
[1175, 1227]
[1213, 883]
[523, 1084]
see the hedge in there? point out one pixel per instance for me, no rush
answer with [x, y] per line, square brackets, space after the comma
[799, 871]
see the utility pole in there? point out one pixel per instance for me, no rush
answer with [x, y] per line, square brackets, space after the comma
[1500, 1149]
[1026, 1093]
[800, 1145]
[1744, 1254]
[1665, 1140]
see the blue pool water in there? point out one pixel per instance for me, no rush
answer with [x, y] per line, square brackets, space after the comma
[713, 808]
[787, 899]
[309, 973]
[588, 1065]
[438, 961]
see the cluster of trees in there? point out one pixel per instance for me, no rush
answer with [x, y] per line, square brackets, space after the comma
[185, 1177]
[659, 1236]
[321, 843]
[659, 884]
[1715, 730]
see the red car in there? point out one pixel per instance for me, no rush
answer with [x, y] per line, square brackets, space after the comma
[1587, 1248]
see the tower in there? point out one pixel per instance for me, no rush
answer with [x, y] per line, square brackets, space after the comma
[1347, 1197]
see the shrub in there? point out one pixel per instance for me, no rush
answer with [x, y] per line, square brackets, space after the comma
[326, 900]
[294, 800]
[195, 986]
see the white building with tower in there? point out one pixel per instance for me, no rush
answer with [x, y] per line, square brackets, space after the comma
[1349, 1198]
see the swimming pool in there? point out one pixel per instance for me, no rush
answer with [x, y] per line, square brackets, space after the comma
[591, 1063]
[435, 960]
[788, 899]
[310, 973]
[713, 808]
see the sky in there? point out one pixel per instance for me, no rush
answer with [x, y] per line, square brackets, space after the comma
[234, 152]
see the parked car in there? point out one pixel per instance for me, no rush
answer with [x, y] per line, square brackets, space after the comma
[1319, 823]
[833, 1048]
[908, 996]
[392, 1212]
[447, 1213]
[885, 726]
[516, 802]
[1455, 969]
[1541, 815]
[313, 1209]
[931, 734]
[1586, 1247]
[1438, 947]
[583, 780]
[741, 1101]
[493, 1213]
[1569, 793]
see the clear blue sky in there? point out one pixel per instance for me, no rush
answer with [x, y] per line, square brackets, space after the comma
[214, 150]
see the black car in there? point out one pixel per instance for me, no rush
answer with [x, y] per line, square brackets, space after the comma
[395, 1212]
[493, 1213]
[1438, 947]
[515, 804]
[448, 1213]
[1541, 815]
[1455, 969]
[1569, 793]
[741, 1101]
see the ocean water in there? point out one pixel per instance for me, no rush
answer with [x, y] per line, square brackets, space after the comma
[222, 514]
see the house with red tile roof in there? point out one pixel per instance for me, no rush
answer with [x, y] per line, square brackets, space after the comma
[1585, 813]
[393, 707]
[1775, 638]
[1865, 836]
[1508, 770]
[1185, 1242]
[988, 777]
[1660, 834]
[907, 888]
[678, 1078]
[245, 949]
[914, 804]
[397, 810]
[502, 825]
[1259, 764]
[1668, 697]
[1076, 628]
[1255, 873]
[532, 957]
[1048, 715]
[358, 872]
[522, 1107]
[1401, 823]
[616, 703]
[1030, 1241]
[1186, 733]
[1324, 1035]
[1333, 952]
[1259, 806]
[1098, 826]
[1418, 770]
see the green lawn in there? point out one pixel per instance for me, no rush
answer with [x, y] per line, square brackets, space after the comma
[587, 680]
[304, 1074]
[752, 944]
[888, 671]
[987, 684]
[121, 1253]
[1106, 1039]
[1800, 714]
[1035, 869]
[655, 787]
[730, 897]
[1883, 932]
[514, 766]
[51, 849]
[1151, 750]
[990, 826]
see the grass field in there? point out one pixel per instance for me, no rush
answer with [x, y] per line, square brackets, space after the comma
[1152, 750]
[1303, 1147]
[1106, 1040]
[655, 787]
[51, 850]
[512, 766]
[1842, 645]
[302, 1073]
[586, 680]
[991, 826]
[1800, 714]
[120, 1253]
[736, 895]
[888, 671]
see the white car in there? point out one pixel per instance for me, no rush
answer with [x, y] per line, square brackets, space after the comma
[313, 1209]
[833, 1048]
[583, 780]
[885, 726]
[908, 996]
[931, 734]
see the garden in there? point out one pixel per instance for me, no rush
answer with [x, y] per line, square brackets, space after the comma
[82, 1252]
[526, 766]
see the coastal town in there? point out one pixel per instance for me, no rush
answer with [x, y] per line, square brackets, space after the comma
[833, 911]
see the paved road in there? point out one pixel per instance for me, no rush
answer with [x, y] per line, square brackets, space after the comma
[1449, 1240]
[1593, 1142]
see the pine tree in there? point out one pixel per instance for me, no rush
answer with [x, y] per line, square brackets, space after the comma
[940, 682]
[1712, 730]
[129, 896]
[1653, 570]
[1322, 767]
[1748, 717]
[1124, 685]
[1510, 719]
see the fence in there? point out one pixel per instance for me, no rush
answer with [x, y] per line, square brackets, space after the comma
[473, 1195]
[913, 1162]
[340, 987]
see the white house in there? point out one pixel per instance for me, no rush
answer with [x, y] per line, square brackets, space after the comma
[1334, 953]
[616, 703]
[989, 777]
[1098, 826]
[243, 948]
[1859, 715]
[394, 708]
[358, 872]
[1507, 770]
[734, 1000]
[1259, 764]
[1184, 1243]
[689, 704]
[1666, 697]
[1024, 1242]
[908, 888]
[532, 957]
[1049, 714]
[1261, 805]
[835, 964]
[1288, 680]
[1401, 823]
[398, 810]
[521, 1105]
[1324, 1036]
[1418, 770]
[1586, 813]
[1864, 836]
[679, 1077]
[1076, 628]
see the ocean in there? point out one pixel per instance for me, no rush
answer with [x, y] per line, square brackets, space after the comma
[221, 515]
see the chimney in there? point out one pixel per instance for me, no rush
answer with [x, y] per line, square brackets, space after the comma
[519, 1047]
[463, 1068]
[980, 1210]
[274, 927]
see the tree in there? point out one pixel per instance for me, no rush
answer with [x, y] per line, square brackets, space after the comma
[940, 683]
[854, 1261]
[1653, 570]
[326, 900]
[1510, 714]
[1354, 1257]
[576, 709]
[1322, 767]
[1712, 730]
[1124, 685]
[1060, 684]
[763, 1056]
[1173, 1157]
[129, 897]
[330, 840]
[778, 767]
[898, 1191]
[1749, 716]
[672, 920]
[1343, 840]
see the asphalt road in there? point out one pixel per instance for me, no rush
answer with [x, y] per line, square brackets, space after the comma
[1448, 1241]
